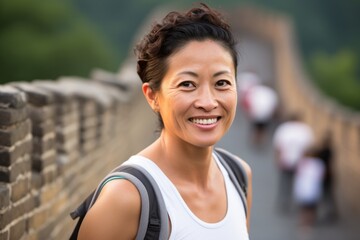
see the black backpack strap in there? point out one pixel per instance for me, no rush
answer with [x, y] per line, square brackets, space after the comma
[236, 173]
[153, 219]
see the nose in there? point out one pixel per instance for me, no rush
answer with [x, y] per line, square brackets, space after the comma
[206, 99]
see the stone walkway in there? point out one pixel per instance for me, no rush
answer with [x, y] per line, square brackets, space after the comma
[266, 222]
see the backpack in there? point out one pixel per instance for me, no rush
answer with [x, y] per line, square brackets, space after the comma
[154, 222]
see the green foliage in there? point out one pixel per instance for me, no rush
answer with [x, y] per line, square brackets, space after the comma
[336, 76]
[45, 40]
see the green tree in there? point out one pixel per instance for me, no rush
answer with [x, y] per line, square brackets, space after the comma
[47, 39]
[336, 76]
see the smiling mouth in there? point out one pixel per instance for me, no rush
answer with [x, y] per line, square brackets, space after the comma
[204, 121]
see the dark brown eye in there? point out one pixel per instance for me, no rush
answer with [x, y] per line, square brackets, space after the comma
[187, 84]
[223, 83]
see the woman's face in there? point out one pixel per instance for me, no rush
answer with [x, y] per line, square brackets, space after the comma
[197, 99]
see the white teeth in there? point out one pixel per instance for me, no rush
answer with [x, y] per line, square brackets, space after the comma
[204, 121]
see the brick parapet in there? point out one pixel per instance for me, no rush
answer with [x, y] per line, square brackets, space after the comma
[58, 139]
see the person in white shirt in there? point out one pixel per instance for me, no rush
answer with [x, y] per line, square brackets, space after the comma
[262, 105]
[187, 64]
[292, 139]
[308, 189]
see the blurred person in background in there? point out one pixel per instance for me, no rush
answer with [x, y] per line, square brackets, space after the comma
[246, 80]
[308, 188]
[291, 140]
[262, 104]
[325, 153]
[187, 64]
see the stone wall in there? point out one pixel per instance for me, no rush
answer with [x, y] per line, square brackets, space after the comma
[58, 139]
[299, 95]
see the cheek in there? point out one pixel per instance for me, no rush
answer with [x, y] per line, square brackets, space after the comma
[230, 100]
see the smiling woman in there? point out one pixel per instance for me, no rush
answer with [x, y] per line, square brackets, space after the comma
[187, 64]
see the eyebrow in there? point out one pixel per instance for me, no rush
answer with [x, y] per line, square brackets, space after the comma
[196, 75]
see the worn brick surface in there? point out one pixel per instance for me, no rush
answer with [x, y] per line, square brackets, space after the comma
[40, 161]
[60, 94]
[8, 155]
[49, 192]
[38, 218]
[10, 174]
[67, 119]
[45, 231]
[41, 145]
[11, 116]
[49, 174]
[89, 134]
[36, 181]
[66, 161]
[10, 135]
[41, 129]
[35, 95]
[20, 188]
[5, 218]
[70, 107]
[18, 230]
[69, 146]
[41, 114]
[4, 196]
[22, 207]
[4, 234]
[10, 97]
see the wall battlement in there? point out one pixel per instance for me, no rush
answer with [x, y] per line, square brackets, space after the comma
[58, 139]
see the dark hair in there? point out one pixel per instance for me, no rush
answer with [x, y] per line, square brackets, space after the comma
[172, 33]
[175, 30]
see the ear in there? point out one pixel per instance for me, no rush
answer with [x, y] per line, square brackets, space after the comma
[151, 96]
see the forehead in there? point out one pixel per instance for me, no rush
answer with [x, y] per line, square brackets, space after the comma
[197, 52]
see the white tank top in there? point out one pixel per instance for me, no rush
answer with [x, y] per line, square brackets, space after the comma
[185, 225]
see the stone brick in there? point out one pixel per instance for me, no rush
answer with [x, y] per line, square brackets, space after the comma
[49, 192]
[41, 114]
[35, 95]
[44, 144]
[20, 188]
[89, 134]
[66, 161]
[38, 218]
[67, 133]
[70, 107]
[4, 234]
[87, 108]
[60, 94]
[10, 97]
[18, 230]
[8, 155]
[49, 174]
[20, 208]
[70, 146]
[5, 218]
[10, 174]
[41, 129]
[67, 119]
[36, 181]
[11, 116]
[4, 196]
[46, 230]
[9, 136]
[40, 161]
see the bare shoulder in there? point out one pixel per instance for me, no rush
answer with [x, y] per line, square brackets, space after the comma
[115, 214]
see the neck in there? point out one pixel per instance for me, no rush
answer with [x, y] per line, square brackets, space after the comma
[180, 160]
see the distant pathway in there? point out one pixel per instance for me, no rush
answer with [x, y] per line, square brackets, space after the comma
[266, 223]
